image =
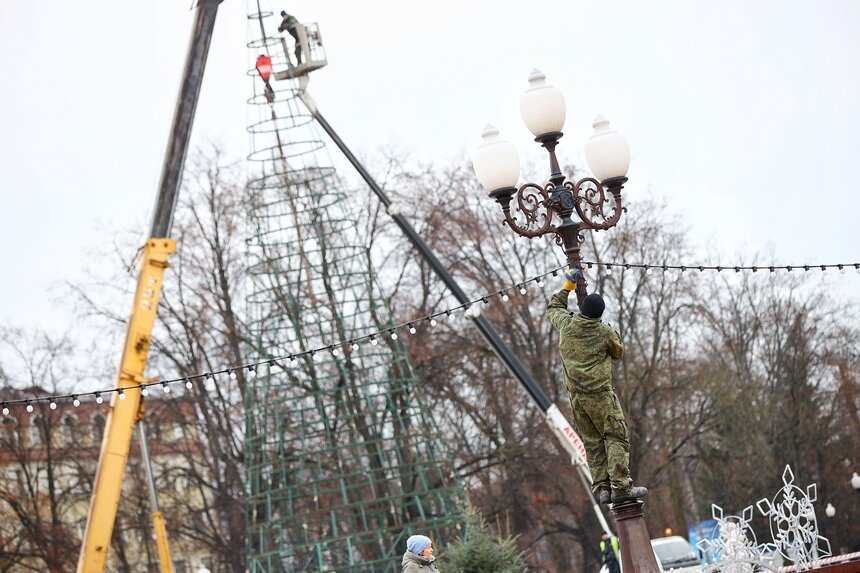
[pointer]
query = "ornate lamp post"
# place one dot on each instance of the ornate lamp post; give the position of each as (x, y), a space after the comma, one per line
(550, 208)
(595, 200)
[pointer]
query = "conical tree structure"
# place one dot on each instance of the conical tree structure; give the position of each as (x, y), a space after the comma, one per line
(344, 461)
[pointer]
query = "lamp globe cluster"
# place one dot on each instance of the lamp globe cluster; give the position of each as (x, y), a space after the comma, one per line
(543, 109)
(558, 207)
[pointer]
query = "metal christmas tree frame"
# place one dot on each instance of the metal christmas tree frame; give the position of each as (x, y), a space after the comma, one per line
(344, 461)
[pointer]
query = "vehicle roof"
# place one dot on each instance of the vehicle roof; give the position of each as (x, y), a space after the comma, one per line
(665, 540)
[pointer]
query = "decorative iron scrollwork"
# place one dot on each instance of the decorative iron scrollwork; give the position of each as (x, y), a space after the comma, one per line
(532, 202)
(599, 208)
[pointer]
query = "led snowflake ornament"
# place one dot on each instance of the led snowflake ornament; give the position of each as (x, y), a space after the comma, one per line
(734, 543)
(793, 525)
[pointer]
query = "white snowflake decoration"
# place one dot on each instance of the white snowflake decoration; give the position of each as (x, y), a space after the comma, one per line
(793, 525)
(734, 546)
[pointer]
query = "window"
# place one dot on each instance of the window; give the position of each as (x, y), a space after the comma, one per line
(177, 432)
(35, 430)
(81, 524)
(153, 430)
(9, 431)
(165, 432)
(70, 430)
(98, 424)
(185, 482)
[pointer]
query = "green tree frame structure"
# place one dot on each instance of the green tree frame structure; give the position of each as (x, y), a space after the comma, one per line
(344, 461)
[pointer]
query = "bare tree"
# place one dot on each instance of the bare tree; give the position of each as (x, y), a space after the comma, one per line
(699, 382)
(653, 311)
(48, 457)
(514, 468)
(725, 378)
(200, 328)
(775, 355)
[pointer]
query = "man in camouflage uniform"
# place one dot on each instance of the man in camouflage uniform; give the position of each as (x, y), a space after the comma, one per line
(588, 347)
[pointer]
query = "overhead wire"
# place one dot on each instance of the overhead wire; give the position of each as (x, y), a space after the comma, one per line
(353, 344)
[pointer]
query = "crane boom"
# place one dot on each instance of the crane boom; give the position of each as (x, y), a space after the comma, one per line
(123, 414)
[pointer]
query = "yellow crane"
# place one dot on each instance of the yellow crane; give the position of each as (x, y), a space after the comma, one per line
(123, 415)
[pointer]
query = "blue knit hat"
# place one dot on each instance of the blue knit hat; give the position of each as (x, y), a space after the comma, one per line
(417, 543)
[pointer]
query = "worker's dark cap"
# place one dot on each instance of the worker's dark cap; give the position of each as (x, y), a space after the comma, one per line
(283, 12)
(593, 306)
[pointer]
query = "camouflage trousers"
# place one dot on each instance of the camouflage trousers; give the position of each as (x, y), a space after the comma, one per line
(603, 430)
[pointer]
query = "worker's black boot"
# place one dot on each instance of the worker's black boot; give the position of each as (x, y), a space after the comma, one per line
(603, 495)
(628, 493)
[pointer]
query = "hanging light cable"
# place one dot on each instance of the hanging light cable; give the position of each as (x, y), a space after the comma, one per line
(274, 367)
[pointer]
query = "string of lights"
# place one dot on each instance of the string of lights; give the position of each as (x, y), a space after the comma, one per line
(469, 309)
(649, 269)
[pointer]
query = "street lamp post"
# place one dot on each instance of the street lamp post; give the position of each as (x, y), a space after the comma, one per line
(596, 201)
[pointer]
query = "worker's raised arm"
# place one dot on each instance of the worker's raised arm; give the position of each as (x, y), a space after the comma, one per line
(616, 348)
(556, 310)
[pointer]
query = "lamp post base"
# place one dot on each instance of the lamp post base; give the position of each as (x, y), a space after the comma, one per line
(637, 556)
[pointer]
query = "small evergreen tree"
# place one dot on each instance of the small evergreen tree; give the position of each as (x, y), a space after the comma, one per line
(479, 551)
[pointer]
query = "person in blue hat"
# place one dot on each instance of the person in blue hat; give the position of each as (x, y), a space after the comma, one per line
(419, 556)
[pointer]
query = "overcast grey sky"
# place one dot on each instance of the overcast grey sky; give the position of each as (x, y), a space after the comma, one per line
(743, 115)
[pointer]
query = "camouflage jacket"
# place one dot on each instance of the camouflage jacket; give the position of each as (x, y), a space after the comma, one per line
(587, 347)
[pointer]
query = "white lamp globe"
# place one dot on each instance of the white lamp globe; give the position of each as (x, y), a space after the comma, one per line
(855, 481)
(830, 511)
(606, 151)
(542, 106)
(496, 161)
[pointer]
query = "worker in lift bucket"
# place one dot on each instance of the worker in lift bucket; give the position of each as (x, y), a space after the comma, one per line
(588, 346)
(290, 25)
